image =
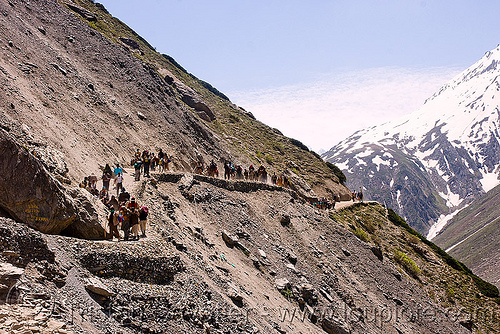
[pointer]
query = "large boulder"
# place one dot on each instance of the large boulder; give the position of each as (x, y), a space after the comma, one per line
(30, 194)
(87, 15)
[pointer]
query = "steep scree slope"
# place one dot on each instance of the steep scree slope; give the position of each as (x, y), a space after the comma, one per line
(80, 88)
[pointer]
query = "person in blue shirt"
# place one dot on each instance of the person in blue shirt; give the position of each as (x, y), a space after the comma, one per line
(118, 170)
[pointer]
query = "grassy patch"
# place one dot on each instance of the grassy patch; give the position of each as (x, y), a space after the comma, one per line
(287, 293)
(299, 144)
(450, 294)
(486, 288)
(361, 234)
(408, 264)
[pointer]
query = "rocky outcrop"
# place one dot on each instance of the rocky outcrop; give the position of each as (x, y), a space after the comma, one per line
(82, 12)
(87, 224)
(21, 246)
(94, 285)
(130, 42)
(139, 268)
(9, 275)
(193, 100)
(32, 196)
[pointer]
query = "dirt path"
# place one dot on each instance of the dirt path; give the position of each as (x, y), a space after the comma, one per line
(131, 187)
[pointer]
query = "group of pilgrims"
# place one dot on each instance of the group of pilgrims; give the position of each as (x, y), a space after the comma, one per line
(131, 218)
(148, 161)
(232, 171)
(125, 213)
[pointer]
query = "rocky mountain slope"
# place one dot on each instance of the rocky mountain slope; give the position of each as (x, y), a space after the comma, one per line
(80, 89)
(218, 260)
(433, 162)
(472, 236)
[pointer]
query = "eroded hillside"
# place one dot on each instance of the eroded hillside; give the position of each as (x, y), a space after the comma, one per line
(225, 257)
(79, 89)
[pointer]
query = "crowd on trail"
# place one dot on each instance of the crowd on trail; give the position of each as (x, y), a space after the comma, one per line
(125, 213)
(325, 204)
(131, 218)
(237, 172)
(357, 195)
(149, 161)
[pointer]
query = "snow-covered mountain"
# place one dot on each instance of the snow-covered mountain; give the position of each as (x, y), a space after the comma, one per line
(431, 163)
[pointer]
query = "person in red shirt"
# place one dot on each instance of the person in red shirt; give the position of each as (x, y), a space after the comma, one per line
(133, 204)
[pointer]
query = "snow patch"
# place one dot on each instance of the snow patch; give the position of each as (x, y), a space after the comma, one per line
(365, 154)
(489, 181)
(342, 165)
(361, 161)
(440, 224)
(398, 198)
(378, 161)
(452, 199)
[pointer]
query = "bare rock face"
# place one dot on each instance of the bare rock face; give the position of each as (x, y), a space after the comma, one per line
(82, 12)
(32, 196)
(130, 42)
(193, 100)
(96, 286)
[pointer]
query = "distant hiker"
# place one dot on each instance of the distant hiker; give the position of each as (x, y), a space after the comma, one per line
(119, 183)
(154, 162)
(212, 169)
(113, 203)
(143, 219)
(93, 181)
(85, 183)
(124, 219)
(113, 224)
(251, 172)
(274, 179)
(245, 174)
(227, 171)
(286, 181)
(239, 172)
(134, 223)
(353, 195)
(106, 177)
(199, 168)
(262, 174)
(103, 195)
(161, 155)
(146, 160)
(132, 204)
(161, 165)
(137, 169)
(107, 169)
(279, 183)
(118, 170)
(124, 197)
(360, 195)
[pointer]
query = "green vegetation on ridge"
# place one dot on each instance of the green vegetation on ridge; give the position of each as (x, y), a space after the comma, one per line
(486, 288)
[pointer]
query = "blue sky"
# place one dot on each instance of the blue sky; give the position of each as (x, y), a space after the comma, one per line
(319, 70)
